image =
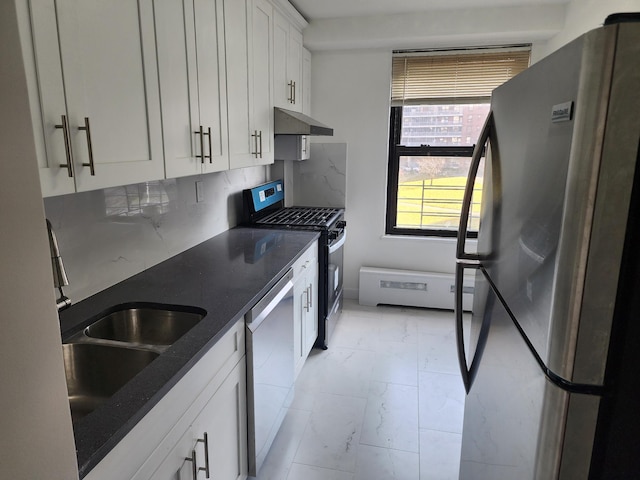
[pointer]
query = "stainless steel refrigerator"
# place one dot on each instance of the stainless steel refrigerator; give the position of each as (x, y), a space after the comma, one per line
(550, 354)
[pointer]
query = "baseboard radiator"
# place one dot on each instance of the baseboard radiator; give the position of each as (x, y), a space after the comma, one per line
(387, 286)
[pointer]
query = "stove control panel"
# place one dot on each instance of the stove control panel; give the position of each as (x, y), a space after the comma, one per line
(267, 196)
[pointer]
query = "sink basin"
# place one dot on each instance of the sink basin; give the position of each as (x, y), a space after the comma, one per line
(95, 372)
(144, 325)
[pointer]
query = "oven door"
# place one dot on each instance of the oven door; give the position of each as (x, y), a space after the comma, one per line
(335, 261)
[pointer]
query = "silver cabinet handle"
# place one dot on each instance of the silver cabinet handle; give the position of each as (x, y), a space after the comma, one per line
(257, 136)
(64, 125)
(87, 130)
(254, 135)
(311, 295)
(205, 440)
(201, 133)
(306, 301)
(294, 93)
(291, 86)
(485, 135)
(304, 144)
(194, 464)
(210, 157)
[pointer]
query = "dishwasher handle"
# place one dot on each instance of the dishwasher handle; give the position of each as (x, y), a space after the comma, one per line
(268, 303)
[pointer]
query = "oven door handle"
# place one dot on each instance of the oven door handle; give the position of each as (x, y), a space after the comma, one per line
(339, 242)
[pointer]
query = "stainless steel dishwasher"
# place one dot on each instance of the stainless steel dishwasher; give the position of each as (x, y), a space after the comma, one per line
(270, 366)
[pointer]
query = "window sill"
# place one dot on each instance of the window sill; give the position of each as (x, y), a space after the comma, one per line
(429, 239)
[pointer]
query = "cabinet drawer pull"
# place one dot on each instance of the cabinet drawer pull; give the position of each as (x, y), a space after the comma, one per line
(205, 440)
(67, 145)
(87, 130)
(194, 464)
(294, 93)
(306, 302)
(311, 295)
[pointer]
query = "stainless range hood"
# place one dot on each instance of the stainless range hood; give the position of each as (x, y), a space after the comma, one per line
(287, 122)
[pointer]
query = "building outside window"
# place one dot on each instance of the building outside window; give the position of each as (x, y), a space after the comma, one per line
(439, 104)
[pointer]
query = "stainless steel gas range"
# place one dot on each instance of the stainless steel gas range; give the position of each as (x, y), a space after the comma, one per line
(263, 207)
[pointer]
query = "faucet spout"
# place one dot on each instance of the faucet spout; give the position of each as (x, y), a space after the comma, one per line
(60, 278)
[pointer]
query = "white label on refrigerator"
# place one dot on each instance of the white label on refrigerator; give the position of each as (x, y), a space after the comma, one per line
(563, 112)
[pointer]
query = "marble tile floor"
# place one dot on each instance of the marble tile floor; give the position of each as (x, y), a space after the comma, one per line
(385, 401)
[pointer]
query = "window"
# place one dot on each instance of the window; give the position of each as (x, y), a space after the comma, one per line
(439, 104)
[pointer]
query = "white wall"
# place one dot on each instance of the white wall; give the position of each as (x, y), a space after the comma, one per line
(585, 15)
(36, 439)
(351, 94)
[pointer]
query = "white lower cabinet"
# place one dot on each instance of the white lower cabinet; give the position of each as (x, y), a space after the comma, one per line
(305, 291)
(214, 446)
(210, 399)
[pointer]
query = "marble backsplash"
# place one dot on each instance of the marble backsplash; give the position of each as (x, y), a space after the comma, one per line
(321, 180)
(106, 236)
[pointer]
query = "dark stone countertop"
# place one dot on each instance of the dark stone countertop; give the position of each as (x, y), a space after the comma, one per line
(225, 275)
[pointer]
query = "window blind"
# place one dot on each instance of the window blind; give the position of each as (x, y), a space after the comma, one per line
(452, 78)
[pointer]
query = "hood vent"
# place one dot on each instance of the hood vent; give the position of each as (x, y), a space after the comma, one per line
(287, 122)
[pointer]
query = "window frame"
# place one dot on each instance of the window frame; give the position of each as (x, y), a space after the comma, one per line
(395, 152)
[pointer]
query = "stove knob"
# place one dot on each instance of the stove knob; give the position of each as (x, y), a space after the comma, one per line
(341, 224)
(333, 235)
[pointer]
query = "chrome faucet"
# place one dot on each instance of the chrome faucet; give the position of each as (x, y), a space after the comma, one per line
(59, 274)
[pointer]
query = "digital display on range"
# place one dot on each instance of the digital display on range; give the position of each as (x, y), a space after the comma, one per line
(268, 194)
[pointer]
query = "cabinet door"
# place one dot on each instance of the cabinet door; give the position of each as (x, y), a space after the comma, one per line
(281, 88)
(262, 98)
(224, 419)
(209, 25)
(300, 300)
(306, 81)
(248, 34)
(47, 98)
(236, 15)
(192, 86)
(294, 69)
(110, 78)
(310, 326)
(178, 86)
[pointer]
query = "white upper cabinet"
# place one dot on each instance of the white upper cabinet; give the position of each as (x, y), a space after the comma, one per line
(249, 35)
(191, 63)
(95, 99)
(287, 64)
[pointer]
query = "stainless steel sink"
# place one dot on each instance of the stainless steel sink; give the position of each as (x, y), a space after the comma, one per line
(146, 325)
(95, 372)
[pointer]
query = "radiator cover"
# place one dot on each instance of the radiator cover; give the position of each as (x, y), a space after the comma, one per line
(387, 286)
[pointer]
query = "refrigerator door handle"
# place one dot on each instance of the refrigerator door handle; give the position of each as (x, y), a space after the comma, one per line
(462, 358)
(485, 135)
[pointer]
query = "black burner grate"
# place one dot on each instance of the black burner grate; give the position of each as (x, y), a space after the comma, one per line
(301, 216)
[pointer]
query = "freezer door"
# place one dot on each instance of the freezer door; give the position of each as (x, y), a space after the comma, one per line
(517, 422)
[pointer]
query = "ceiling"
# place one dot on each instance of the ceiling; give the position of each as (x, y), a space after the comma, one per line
(322, 9)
